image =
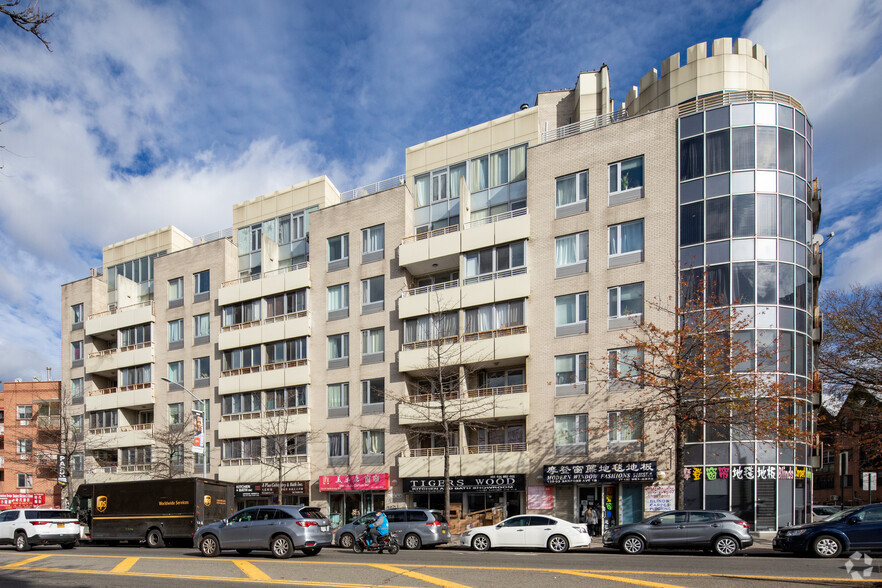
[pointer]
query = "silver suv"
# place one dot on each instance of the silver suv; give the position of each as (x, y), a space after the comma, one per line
(721, 531)
(414, 527)
(280, 529)
(38, 526)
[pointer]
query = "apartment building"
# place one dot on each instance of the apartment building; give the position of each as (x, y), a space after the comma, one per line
(30, 430)
(498, 272)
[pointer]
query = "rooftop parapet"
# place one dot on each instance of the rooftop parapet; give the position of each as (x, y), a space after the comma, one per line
(738, 66)
(318, 191)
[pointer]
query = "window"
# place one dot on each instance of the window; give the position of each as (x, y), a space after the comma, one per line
(76, 312)
(626, 426)
(176, 455)
(717, 152)
(625, 363)
(77, 350)
(176, 331)
(338, 445)
(338, 298)
(372, 290)
(482, 264)
(24, 446)
(292, 397)
(76, 462)
(77, 422)
(372, 391)
(241, 313)
(244, 357)
(570, 429)
(25, 481)
(24, 412)
(338, 395)
(201, 282)
(571, 369)
(571, 309)
(135, 336)
(692, 223)
(246, 448)
(338, 346)
(288, 350)
(373, 443)
(428, 328)
(103, 419)
(691, 158)
(373, 341)
(176, 372)
(201, 368)
(286, 445)
(287, 303)
(501, 315)
(241, 403)
(200, 326)
(176, 413)
(76, 389)
(373, 239)
(626, 300)
(176, 289)
(571, 249)
(136, 376)
(626, 238)
(338, 248)
(571, 189)
(625, 175)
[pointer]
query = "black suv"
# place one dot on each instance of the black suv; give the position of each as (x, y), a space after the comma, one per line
(854, 529)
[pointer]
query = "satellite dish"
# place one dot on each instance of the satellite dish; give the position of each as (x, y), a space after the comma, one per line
(817, 240)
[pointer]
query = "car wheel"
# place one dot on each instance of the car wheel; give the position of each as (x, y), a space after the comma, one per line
(346, 540)
(633, 544)
(827, 546)
(310, 551)
(243, 551)
(70, 545)
(558, 544)
(725, 545)
(209, 546)
(21, 542)
(281, 547)
(154, 538)
(481, 543)
(413, 541)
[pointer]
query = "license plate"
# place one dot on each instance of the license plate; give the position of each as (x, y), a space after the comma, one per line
(324, 528)
(443, 531)
(60, 525)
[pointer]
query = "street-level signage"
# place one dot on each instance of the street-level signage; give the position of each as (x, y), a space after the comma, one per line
(489, 483)
(869, 481)
(586, 473)
(354, 482)
(61, 468)
(759, 472)
(24, 500)
(257, 489)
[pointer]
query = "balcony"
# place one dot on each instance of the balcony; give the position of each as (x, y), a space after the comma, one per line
(131, 396)
(484, 346)
(440, 249)
(483, 403)
(123, 436)
(270, 423)
(265, 377)
(110, 360)
(474, 460)
(277, 328)
(116, 318)
(249, 469)
(471, 291)
(269, 283)
(48, 422)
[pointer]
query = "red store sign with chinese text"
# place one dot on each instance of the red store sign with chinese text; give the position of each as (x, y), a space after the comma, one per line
(353, 482)
(12, 500)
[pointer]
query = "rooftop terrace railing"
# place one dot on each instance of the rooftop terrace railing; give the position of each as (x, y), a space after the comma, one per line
(726, 98)
(369, 189)
(583, 126)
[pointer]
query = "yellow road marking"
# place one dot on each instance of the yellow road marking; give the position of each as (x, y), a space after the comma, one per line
(619, 579)
(250, 570)
(27, 561)
(125, 565)
(418, 576)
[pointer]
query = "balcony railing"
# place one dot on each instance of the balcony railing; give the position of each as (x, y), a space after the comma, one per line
(430, 234)
(136, 346)
(738, 97)
(284, 317)
(136, 467)
(141, 386)
(431, 288)
(275, 272)
(267, 368)
(431, 342)
(103, 391)
(363, 191)
(495, 275)
(49, 421)
(103, 353)
(141, 427)
(476, 393)
(494, 219)
(504, 332)
(119, 309)
(103, 430)
(429, 452)
(497, 448)
(583, 126)
(470, 450)
(243, 416)
(240, 461)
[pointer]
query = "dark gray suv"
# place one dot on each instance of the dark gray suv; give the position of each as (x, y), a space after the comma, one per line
(721, 531)
(414, 527)
(280, 529)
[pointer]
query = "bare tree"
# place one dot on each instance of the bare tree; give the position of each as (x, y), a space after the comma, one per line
(28, 18)
(172, 455)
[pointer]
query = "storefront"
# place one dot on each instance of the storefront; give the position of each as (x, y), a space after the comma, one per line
(351, 495)
(258, 493)
(498, 494)
(613, 491)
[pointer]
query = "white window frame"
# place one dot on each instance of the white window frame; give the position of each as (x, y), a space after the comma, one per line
(366, 338)
(173, 367)
(76, 313)
(176, 413)
(581, 301)
(615, 360)
(198, 286)
(24, 446)
(366, 387)
(197, 371)
(344, 444)
(179, 286)
(366, 235)
(617, 166)
(367, 291)
(581, 248)
(24, 412)
(617, 229)
(581, 369)
(344, 345)
(344, 247)
(615, 420)
(582, 188)
(24, 480)
(180, 338)
(344, 394)
(345, 287)
(580, 427)
(206, 320)
(617, 291)
(366, 444)
(77, 350)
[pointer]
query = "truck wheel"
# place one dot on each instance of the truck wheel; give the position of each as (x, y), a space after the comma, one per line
(21, 542)
(154, 538)
(281, 547)
(209, 547)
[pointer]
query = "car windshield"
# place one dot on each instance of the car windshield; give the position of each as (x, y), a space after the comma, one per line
(843, 514)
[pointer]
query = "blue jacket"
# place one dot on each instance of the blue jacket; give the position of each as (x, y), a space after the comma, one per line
(381, 524)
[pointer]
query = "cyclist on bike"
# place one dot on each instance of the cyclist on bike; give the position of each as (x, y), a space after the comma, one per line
(378, 528)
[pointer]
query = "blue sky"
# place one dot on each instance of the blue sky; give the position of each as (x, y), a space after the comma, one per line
(155, 113)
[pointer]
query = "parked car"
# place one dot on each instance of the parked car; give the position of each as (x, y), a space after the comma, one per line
(25, 527)
(853, 529)
(820, 512)
(414, 527)
(528, 531)
(721, 531)
(280, 529)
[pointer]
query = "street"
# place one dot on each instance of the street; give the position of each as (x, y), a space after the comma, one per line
(100, 566)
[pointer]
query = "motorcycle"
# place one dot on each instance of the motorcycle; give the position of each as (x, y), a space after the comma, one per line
(387, 542)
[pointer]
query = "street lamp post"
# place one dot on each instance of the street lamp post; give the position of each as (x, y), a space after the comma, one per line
(204, 423)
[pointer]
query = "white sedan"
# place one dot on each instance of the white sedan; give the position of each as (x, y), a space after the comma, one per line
(528, 531)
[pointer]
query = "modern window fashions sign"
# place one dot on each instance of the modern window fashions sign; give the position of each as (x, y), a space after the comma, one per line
(632, 471)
